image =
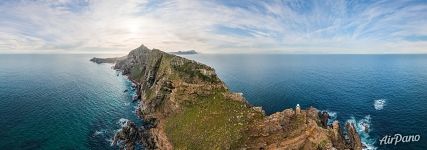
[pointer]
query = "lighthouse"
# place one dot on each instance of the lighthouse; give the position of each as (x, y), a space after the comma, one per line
(298, 110)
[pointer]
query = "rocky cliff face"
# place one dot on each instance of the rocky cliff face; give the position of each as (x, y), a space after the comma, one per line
(185, 105)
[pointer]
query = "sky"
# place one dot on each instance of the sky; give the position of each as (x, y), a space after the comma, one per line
(214, 26)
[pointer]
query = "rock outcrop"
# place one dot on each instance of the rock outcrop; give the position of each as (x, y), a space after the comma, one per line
(129, 134)
(185, 105)
(354, 138)
(106, 60)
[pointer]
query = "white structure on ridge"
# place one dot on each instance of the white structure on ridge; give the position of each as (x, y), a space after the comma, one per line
(298, 110)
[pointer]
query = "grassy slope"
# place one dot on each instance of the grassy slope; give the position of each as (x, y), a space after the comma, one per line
(205, 118)
(213, 123)
(206, 122)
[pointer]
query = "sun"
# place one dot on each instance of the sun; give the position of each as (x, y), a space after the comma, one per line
(133, 26)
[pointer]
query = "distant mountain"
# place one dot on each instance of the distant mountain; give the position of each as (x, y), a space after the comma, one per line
(189, 52)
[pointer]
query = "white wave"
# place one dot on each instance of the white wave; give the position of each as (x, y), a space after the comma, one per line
(379, 104)
(122, 122)
(364, 124)
(363, 128)
(332, 116)
(100, 132)
(110, 140)
(126, 103)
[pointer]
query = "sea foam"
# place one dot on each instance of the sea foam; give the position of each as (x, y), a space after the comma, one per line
(100, 132)
(122, 122)
(363, 128)
(332, 116)
(379, 104)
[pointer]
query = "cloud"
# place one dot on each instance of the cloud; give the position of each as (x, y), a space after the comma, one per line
(214, 26)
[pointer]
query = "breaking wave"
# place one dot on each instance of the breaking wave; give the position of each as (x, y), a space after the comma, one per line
(99, 132)
(363, 127)
(379, 104)
(332, 116)
(122, 122)
(110, 140)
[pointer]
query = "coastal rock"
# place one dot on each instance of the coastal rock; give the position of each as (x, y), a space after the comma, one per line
(185, 105)
(324, 119)
(129, 135)
(354, 138)
(291, 130)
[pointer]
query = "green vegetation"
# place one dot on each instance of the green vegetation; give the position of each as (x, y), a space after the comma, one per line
(191, 70)
(213, 123)
(205, 119)
(191, 105)
(136, 72)
(149, 94)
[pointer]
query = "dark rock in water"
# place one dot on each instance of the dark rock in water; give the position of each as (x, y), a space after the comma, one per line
(324, 119)
(125, 91)
(364, 146)
(365, 126)
(129, 135)
(135, 98)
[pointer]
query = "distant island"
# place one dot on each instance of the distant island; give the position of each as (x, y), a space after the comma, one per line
(106, 60)
(184, 105)
(189, 52)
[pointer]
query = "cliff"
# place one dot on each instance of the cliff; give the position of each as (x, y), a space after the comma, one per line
(185, 105)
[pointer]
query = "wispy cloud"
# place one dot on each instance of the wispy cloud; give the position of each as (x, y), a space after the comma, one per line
(339, 26)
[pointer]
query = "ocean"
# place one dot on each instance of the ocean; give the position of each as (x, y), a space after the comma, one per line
(387, 93)
(67, 102)
(60, 102)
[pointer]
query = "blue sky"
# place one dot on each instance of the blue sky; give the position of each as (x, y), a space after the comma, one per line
(214, 26)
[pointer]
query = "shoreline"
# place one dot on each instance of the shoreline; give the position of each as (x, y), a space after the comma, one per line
(163, 75)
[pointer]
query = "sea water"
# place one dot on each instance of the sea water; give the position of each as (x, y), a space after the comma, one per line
(385, 93)
(61, 102)
(68, 102)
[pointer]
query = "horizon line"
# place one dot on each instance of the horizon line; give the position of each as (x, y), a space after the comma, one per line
(221, 53)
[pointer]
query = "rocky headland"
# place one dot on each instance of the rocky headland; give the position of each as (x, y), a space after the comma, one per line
(189, 52)
(185, 105)
(106, 60)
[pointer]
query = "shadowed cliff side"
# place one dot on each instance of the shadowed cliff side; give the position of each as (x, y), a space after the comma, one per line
(185, 105)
